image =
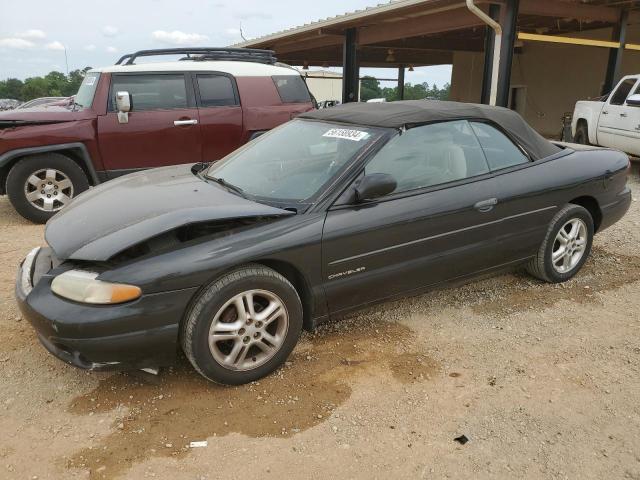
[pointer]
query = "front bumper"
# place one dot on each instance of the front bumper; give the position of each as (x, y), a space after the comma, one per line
(139, 334)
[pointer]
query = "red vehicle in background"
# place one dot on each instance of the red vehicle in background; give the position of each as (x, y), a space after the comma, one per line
(129, 117)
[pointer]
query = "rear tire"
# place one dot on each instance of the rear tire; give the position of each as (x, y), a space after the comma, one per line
(582, 134)
(566, 246)
(243, 326)
(39, 186)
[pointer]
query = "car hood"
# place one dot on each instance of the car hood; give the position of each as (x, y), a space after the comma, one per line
(122, 213)
(43, 114)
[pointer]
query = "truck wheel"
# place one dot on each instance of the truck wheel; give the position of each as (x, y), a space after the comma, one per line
(582, 134)
(566, 246)
(38, 186)
(243, 326)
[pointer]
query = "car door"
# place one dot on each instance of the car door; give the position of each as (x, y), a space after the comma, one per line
(614, 127)
(162, 128)
(525, 204)
(220, 114)
(436, 226)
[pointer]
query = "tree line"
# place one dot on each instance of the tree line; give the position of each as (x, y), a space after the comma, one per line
(54, 84)
(370, 88)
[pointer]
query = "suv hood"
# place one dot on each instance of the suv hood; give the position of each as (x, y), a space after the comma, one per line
(42, 114)
(122, 213)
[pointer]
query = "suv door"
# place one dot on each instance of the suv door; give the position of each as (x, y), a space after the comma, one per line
(613, 125)
(162, 128)
(220, 114)
(436, 226)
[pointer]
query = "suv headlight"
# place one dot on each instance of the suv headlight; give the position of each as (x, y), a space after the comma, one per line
(81, 286)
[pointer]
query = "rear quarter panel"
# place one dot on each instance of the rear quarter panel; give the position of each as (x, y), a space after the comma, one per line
(262, 107)
(548, 185)
(588, 111)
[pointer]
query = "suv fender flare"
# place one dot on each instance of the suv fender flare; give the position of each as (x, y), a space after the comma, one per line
(6, 158)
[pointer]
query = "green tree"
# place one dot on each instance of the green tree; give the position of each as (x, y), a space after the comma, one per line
(11, 88)
(369, 88)
(35, 87)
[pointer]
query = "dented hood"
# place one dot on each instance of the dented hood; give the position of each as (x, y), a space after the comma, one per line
(121, 213)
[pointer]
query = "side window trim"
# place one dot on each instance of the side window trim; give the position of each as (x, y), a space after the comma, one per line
(188, 85)
(510, 139)
(196, 88)
(618, 87)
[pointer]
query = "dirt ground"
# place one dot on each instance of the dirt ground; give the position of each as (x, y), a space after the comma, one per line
(544, 381)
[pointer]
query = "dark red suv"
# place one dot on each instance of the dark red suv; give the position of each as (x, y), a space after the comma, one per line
(130, 116)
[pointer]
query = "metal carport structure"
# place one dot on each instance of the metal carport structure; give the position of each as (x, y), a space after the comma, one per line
(416, 33)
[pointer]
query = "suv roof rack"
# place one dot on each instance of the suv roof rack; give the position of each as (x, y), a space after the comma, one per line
(206, 54)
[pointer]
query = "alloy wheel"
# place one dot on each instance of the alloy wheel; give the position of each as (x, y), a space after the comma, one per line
(48, 190)
(248, 330)
(569, 245)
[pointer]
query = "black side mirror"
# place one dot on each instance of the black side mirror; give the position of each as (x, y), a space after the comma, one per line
(374, 186)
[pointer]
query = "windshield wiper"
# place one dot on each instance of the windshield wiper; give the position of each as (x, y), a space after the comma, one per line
(227, 185)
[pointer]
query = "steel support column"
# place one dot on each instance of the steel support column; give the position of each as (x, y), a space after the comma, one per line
(489, 41)
(615, 54)
(401, 82)
(509, 21)
(350, 67)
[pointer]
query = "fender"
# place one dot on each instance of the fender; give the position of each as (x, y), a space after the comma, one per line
(5, 158)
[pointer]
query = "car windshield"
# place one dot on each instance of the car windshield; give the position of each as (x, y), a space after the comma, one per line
(293, 162)
(84, 97)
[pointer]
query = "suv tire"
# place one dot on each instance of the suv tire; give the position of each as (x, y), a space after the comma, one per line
(243, 326)
(566, 246)
(39, 186)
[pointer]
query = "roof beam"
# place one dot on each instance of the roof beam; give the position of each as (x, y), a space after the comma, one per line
(554, 8)
(424, 25)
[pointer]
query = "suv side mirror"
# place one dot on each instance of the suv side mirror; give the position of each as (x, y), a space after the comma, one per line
(634, 100)
(123, 105)
(374, 186)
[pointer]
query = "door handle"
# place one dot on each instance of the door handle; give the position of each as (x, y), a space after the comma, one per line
(605, 112)
(623, 115)
(486, 205)
(182, 123)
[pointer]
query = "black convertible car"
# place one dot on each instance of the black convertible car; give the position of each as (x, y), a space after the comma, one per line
(334, 211)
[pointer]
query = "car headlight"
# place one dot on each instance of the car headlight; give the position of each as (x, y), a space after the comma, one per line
(81, 286)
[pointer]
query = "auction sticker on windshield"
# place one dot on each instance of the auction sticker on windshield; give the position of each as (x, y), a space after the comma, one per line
(347, 134)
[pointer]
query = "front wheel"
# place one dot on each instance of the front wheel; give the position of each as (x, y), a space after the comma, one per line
(41, 185)
(566, 246)
(243, 326)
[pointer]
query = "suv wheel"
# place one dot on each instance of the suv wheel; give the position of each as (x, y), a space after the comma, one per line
(243, 326)
(565, 247)
(41, 185)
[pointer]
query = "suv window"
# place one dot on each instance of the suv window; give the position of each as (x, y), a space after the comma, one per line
(216, 91)
(291, 88)
(622, 92)
(151, 92)
(431, 155)
(500, 151)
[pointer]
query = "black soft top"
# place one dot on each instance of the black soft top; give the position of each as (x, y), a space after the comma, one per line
(410, 113)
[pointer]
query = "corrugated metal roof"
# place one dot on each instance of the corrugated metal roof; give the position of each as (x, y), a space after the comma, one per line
(332, 21)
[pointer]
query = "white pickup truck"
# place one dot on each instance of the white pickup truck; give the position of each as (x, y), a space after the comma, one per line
(613, 121)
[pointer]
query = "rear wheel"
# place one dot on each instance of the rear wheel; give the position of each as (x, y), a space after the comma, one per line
(566, 246)
(41, 185)
(582, 134)
(243, 326)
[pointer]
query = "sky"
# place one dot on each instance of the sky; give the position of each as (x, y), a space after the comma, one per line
(35, 33)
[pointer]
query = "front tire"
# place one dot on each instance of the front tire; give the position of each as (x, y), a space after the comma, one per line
(39, 186)
(566, 246)
(243, 326)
